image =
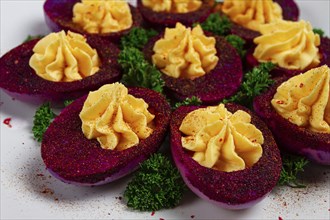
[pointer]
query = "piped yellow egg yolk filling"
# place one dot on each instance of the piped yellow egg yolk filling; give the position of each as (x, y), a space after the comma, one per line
(61, 57)
(185, 53)
(291, 45)
(102, 16)
(173, 6)
(116, 119)
(304, 100)
(220, 139)
(252, 13)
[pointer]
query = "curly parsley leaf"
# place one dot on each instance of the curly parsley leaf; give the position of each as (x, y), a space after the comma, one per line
(67, 102)
(318, 31)
(137, 38)
(32, 37)
(237, 42)
(157, 185)
(254, 83)
(217, 24)
(42, 119)
(291, 166)
(193, 100)
(138, 71)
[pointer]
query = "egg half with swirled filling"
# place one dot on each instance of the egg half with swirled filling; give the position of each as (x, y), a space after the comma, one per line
(194, 63)
(225, 154)
(104, 136)
(292, 46)
(247, 16)
(60, 66)
(297, 110)
(166, 13)
(106, 19)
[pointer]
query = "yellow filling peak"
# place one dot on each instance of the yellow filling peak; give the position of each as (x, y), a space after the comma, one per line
(185, 53)
(252, 13)
(116, 119)
(304, 100)
(222, 140)
(102, 16)
(291, 45)
(173, 6)
(61, 57)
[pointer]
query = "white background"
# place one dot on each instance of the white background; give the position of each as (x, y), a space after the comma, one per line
(29, 192)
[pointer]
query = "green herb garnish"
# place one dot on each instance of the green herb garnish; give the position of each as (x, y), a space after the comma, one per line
(291, 166)
(32, 37)
(238, 43)
(157, 185)
(42, 119)
(193, 100)
(67, 102)
(217, 24)
(254, 83)
(318, 31)
(138, 71)
(137, 38)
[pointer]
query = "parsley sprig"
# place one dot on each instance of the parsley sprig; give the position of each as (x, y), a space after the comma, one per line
(157, 185)
(193, 100)
(291, 166)
(42, 119)
(32, 37)
(318, 31)
(67, 102)
(254, 83)
(137, 38)
(237, 42)
(137, 70)
(217, 24)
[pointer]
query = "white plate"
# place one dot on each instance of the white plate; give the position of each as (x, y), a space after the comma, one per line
(28, 190)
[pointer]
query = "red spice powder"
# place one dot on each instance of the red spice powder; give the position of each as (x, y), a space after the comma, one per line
(280, 102)
(301, 85)
(7, 122)
(47, 191)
